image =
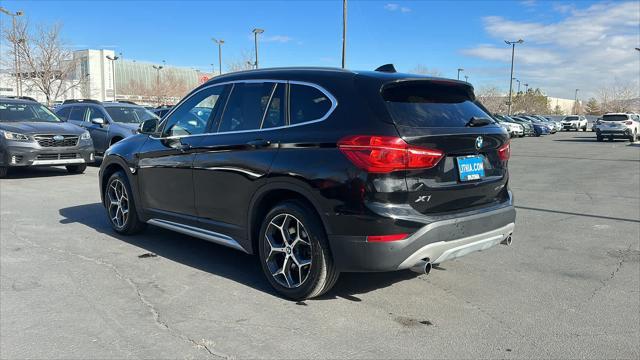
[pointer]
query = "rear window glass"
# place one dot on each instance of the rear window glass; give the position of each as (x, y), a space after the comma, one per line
(307, 104)
(427, 104)
(615, 118)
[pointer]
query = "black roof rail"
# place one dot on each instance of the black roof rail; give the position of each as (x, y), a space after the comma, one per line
(22, 98)
(74, 101)
(388, 68)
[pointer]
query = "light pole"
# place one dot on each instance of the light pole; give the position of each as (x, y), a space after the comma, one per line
(113, 73)
(256, 32)
(513, 50)
(466, 78)
(219, 42)
(526, 88)
(575, 103)
(518, 81)
(15, 47)
(459, 70)
(158, 68)
(344, 32)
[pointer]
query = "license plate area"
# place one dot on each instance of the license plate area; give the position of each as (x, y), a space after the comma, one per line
(470, 167)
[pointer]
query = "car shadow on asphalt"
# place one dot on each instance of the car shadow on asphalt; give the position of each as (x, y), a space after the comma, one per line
(36, 172)
(217, 259)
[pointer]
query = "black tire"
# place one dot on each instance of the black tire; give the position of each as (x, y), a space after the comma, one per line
(321, 274)
(632, 137)
(76, 169)
(3, 171)
(131, 224)
(598, 137)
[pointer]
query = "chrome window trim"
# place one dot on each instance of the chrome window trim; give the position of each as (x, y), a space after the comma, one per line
(334, 104)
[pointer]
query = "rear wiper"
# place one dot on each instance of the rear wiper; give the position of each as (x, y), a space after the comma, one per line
(479, 121)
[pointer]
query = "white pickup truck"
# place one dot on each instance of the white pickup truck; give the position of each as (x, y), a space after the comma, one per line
(574, 122)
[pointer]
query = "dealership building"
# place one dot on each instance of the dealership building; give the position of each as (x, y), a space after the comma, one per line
(100, 78)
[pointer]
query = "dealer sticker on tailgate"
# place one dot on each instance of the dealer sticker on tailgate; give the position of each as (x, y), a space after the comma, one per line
(471, 167)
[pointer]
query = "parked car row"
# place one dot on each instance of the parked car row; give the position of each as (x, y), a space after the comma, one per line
(528, 125)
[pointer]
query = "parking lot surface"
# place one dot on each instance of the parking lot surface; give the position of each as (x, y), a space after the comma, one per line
(568, 287)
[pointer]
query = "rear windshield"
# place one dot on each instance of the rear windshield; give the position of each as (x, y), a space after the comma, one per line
(615, 118)
(423, 104)
(130, 114)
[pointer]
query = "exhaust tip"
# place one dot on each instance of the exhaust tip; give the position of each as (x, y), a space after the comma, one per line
(422, 267)
(507, 241)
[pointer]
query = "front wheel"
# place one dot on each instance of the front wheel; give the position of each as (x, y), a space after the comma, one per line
(76, 169)
(3, 171)
(598, 137)
(121, 206)
(633, 136)
(294, 252)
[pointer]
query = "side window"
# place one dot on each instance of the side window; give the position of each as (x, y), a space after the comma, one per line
(193, 115)
(77, 113)
(307, 104)
(95, 113)
(274, 116)
(245, 107)
(64, 113)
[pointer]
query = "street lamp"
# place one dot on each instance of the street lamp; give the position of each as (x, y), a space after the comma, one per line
(526, 88)
(518, 81)
(466, 78)
(513, 49)
(459, 70)
(344, 32)
(158, 68)
(219, 42)
(575, 102)
(256, 32)
(15, 47)
(113, 73)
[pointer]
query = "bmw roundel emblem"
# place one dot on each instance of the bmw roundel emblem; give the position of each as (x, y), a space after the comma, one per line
(58, 138)
(479, 142)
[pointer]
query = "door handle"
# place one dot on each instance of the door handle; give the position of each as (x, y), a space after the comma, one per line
(259, 143)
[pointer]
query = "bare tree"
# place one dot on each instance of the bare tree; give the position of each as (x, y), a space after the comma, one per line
(46, 64)
(617, 98)
(492, 99)
(243, 62)
(423, 70)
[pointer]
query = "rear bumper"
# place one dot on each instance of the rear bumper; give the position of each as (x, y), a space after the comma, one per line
(439, 241)
(614, 132)
(28, 154)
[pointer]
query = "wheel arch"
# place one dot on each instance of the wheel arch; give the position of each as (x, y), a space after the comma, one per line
(270, 195)
(112, 164)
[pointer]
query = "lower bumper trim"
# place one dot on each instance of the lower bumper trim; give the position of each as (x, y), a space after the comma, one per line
(441, 251)
(58, 162)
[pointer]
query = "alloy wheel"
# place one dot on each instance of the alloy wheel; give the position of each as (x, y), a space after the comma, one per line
(289, 250)
(118, 206)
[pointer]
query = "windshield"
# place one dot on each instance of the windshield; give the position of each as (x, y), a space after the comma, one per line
(615, 118)
(16, 112)
(569, 118)
(426, 104)
(130, 114)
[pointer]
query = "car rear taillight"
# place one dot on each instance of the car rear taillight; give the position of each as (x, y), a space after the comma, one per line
(384, 154)
(386, 238)
(628, 122)
(504, 152)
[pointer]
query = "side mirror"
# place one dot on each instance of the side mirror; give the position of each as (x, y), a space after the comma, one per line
(98, 121)
(149, 127)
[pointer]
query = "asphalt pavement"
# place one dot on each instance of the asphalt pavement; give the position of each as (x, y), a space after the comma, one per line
(568, 287)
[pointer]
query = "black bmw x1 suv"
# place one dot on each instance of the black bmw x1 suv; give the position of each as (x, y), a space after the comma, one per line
(320, 171)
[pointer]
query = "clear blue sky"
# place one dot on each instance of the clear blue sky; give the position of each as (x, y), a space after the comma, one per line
(442, 35)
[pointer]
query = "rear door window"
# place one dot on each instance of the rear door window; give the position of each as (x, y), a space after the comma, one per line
(64, 113)
(246, 106)
(307, 104)
(427, 104)
(77, 113)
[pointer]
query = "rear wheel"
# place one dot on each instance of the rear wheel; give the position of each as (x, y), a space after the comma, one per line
(3, 171)
(120, 205)
(598, 137)
(76, 169)
(294, 252)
